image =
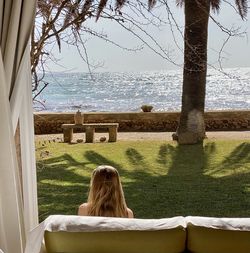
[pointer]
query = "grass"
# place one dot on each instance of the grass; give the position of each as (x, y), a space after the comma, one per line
(160, 179)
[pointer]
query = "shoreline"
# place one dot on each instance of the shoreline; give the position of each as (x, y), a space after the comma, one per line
(139, 111)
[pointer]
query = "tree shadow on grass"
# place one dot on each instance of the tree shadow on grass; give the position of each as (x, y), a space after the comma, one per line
(66, 159)
(97, 159)
(241, 154)
(184, 187)
(162, 154)
(191, 191)
(60, 189)
(134, 156)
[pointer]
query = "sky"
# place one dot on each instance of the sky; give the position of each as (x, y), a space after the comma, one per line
(108, 57)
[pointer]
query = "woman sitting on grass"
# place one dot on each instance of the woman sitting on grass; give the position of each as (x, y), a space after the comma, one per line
(106, 196)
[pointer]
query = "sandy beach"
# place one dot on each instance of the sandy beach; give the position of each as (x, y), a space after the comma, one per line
(139, 136)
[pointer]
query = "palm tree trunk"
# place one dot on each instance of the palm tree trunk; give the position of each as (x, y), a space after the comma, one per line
(191, 127)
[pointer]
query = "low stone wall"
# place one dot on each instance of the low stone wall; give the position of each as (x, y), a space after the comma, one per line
(50, 123)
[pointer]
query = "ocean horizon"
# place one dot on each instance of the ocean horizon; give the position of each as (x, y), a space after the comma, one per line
(128, 91)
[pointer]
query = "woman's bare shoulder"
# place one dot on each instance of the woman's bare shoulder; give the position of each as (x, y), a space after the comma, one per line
(83, 209)
(130, 213)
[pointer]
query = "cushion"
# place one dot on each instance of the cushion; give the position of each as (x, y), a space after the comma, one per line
(74, 234)
(218, 235)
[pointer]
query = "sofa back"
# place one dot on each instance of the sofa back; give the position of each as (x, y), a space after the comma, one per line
(218, 235)
(74, 234)
(116, 235)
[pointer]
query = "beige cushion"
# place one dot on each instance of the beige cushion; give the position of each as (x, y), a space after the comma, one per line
(115, 235)
(161, 241)
(218, 235)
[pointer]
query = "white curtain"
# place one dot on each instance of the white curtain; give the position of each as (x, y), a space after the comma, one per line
(18, 206)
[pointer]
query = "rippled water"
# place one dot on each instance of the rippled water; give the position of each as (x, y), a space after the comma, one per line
(128, 91)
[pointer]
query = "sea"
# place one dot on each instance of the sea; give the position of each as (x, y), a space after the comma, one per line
(128, 91)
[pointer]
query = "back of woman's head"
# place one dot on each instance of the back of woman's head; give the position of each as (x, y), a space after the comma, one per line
(106, 196)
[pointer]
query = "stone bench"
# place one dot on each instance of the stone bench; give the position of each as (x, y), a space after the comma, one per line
(90, 131)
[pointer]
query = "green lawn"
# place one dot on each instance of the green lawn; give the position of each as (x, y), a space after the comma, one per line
(160, 179)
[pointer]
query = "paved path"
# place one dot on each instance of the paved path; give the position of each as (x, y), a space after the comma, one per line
(168, 135)
(136, 136)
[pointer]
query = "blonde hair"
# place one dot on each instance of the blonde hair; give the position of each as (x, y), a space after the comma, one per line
(106, 197)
